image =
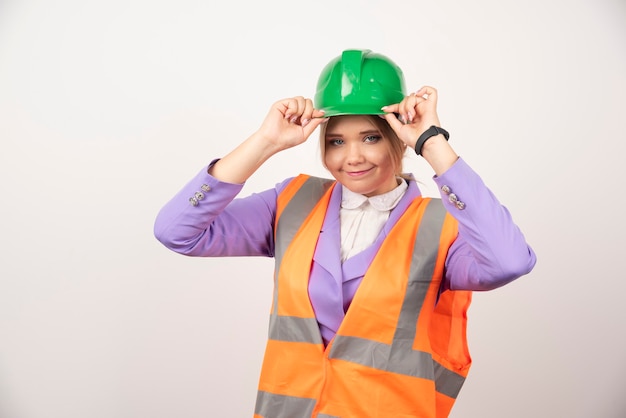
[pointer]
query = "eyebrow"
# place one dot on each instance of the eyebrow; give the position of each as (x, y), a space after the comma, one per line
(371, 131)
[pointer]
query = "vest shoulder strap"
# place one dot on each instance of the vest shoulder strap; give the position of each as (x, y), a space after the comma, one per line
(294, 204)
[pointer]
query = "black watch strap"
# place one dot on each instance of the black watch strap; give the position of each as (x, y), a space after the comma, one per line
(429, 133)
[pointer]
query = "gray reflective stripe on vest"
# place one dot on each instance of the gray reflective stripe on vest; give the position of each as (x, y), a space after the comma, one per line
(294, 329)
(447, 382)
(270, 405)
(399, 357)
(326, 416)
(289, 328)
(296, 211)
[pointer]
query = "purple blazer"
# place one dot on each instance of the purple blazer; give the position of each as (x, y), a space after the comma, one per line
(489, 251)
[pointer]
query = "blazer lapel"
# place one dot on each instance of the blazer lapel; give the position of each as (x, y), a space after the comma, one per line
(357, 266)
(328, 250)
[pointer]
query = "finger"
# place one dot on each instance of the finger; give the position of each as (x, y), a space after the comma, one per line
(307, 112)
(318, 113)
(408, 107)
(311, 125)
(393, 121)
(293, 108)
(428, 93)
(290, 108)
(392, 108)
(395, 110)
(301, 101)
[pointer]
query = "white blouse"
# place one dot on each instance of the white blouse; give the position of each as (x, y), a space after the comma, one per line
(362, 218)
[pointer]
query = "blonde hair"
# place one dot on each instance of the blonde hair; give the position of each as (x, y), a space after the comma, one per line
(395, 145)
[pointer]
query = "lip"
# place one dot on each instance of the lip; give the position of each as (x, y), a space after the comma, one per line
(358, 173)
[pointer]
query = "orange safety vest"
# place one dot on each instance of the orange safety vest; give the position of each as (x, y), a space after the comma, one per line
(401, 350)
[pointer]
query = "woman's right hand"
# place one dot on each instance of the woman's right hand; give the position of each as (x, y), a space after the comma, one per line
(290, 122)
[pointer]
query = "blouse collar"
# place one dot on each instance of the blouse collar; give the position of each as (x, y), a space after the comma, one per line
(381, 202)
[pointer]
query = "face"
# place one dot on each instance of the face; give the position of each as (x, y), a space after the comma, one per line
(358, 155)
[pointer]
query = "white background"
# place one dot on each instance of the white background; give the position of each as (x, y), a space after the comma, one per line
(108, 107)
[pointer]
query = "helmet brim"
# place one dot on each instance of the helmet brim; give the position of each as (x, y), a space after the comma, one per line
(351, 110)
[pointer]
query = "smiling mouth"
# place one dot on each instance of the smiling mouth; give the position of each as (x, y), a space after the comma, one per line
(358, 173)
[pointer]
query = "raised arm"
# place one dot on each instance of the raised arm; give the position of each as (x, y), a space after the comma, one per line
(205, 219)
(490, 250)
(288, 123)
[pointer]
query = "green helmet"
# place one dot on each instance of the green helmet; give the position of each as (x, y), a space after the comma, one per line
(359, 82)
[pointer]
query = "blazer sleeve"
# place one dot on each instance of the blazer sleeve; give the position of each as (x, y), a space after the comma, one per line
(490, 250)
(206, 219)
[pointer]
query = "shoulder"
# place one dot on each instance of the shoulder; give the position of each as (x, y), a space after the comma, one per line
(305, 181)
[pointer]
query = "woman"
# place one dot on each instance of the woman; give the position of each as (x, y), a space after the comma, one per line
(372, 281)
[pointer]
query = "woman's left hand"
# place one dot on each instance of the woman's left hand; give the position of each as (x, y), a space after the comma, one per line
(416, 113)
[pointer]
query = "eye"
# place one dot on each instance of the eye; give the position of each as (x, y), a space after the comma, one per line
(372, 139)
(335, 142)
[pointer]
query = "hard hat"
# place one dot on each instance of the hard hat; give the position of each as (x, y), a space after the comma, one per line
(359, 82)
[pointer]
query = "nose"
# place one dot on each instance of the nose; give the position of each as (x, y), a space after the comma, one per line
(354, 154)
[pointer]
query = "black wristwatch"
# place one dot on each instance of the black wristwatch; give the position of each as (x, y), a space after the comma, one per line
(429, 133)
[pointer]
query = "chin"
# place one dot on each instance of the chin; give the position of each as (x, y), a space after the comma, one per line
(367, 191)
